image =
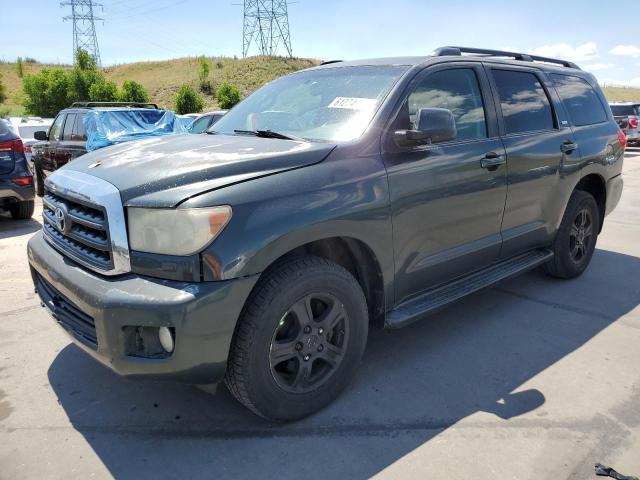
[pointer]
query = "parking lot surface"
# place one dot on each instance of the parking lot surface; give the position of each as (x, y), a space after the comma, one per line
(534, 379)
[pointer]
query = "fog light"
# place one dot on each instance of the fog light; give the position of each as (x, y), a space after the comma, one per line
(166, 339)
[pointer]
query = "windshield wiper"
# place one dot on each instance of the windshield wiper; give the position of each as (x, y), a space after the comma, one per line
(269, 134)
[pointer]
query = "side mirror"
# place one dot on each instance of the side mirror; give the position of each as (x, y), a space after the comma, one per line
(40, 135)
(433, 125)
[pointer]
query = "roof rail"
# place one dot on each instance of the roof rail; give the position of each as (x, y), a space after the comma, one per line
(525, 57)
(113, 104)
(329, 62)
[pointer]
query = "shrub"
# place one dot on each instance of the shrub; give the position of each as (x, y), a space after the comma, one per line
(228, 95)
(3, 95)
(30, 60)
(20, 67)
(83, 76)
(103, 91)
(133, 92)
(203, 69)
(47, 92)
(219, 64)
(188, 101)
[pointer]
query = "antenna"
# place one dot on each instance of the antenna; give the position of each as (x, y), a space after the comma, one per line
(266, 22)
(84, 29)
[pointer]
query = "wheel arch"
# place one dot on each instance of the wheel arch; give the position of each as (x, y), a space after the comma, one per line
(595, 185)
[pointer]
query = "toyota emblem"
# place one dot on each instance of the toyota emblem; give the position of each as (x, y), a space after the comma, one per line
(59, 218)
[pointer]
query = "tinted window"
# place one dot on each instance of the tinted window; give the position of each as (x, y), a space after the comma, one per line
(525, 105)
(581, 101)
(56, 129)
(68, 127)
(79, 132)
(200, 125)
(621, 110)
(456, 90)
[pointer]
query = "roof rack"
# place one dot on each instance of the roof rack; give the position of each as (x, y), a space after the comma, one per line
(328, 62)
(525, 57)
(113, 104)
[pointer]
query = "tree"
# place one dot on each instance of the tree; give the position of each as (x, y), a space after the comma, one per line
(20, 67)
(133, 92)
(103, 91)
(83, 76)
(228, 95)
(46, 92)
(203, 74)
(188, 101)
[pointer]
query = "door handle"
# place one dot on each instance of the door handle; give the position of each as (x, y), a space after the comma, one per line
(568, 147)
(492, 161)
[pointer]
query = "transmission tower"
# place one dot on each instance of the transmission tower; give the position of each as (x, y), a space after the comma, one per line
(84, 29)
(266, 22)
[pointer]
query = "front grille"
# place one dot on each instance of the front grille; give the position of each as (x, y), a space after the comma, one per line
(84, 232)
(70, 317)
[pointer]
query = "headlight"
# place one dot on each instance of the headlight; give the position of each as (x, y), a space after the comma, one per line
(179, 231)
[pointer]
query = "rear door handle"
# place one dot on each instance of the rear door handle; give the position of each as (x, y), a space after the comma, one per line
(492, 161)
(568, 147)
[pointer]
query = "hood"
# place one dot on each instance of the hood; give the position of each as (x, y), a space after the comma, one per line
(164, 171)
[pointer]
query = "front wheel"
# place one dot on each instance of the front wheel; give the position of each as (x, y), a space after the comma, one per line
(38, 177)
(299, 340)
(576, 238)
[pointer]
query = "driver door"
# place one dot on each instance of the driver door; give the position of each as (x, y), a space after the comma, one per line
(447, 199)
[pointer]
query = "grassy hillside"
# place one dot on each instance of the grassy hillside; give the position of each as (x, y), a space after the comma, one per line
(162, 79)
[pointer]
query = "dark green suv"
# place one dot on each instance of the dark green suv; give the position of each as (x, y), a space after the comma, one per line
(344, 197)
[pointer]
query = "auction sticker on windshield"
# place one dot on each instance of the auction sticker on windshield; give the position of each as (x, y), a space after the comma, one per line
(353, 103)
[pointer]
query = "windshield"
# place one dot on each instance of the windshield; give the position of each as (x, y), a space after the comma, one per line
(27, 132)
(332, 104)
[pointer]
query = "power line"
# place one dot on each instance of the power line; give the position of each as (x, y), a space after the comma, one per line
(84, 28)
(267, 23)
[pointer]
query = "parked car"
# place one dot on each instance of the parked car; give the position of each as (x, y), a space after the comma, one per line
(206, 120)
(16, 182)
(86, 126)
(627, 116)
(335, 199)
(25, 127)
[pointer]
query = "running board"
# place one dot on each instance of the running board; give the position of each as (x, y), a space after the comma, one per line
(417, 307)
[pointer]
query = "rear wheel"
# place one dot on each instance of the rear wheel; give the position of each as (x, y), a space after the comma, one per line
(22, 210)
(299, 340)
(576, 239)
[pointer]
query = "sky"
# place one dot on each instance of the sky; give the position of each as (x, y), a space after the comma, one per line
(600, 37)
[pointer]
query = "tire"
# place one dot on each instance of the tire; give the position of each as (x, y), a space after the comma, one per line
(572, 256)
(39, 180)
(268, 358)
(22, 210)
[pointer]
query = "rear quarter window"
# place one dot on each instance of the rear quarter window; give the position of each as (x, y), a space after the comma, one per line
(580, 100)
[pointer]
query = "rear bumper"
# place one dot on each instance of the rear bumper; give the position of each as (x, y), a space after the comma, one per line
(614, 192)
(9, 190)
(204, 315)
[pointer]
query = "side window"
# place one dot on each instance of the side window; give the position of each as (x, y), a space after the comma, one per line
(55, 133)
(200, 125)
(525, 105)
(581, 101)
(79, 132)
(68, 127)
(456, 90)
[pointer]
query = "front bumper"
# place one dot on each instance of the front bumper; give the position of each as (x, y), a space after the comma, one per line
(9, 190)
(203, 314)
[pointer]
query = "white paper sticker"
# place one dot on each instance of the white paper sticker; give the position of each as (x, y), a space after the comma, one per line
(353, 103)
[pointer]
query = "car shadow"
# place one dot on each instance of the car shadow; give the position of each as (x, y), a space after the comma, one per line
(413, 384)
(15, 228)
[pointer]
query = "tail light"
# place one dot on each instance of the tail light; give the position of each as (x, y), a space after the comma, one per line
(633, 122)
(623, 139)
(23, 181)
(12, 146)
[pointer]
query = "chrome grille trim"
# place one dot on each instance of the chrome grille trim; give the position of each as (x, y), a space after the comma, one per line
(95, 207)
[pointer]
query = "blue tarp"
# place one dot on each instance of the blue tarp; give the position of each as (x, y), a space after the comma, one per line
(108, 127)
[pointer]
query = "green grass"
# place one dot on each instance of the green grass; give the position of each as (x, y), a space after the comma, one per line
(162, 79)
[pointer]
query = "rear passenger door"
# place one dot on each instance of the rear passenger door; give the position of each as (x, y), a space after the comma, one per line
(77, 143)
(536, 140)
(446, 200)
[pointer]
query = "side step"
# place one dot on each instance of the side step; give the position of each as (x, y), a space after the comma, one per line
(417, 307)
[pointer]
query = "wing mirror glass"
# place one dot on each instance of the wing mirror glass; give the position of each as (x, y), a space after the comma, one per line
(433, 125)
(40, 135)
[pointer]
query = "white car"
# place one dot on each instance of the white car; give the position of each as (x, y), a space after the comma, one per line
(25, 127)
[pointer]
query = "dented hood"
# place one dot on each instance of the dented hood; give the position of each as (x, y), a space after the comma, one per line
(164, 171)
